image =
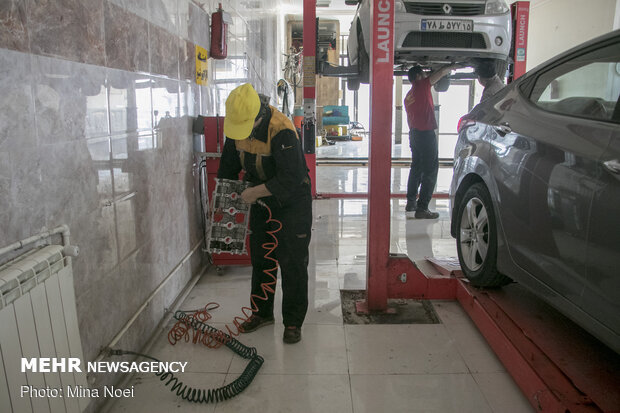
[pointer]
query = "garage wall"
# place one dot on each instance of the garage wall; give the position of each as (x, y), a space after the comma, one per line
(558, 25)
(96, 107)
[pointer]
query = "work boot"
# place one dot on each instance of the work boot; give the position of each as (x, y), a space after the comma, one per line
(410, 210)
(254, 323)
(426, 214)
(292, 334)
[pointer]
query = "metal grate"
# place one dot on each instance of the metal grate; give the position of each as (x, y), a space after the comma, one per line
(437, 9)
(443, 39)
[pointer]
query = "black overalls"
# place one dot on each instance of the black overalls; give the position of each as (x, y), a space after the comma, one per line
(272, 155)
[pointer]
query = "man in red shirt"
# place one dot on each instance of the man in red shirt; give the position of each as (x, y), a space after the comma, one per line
(422, 141)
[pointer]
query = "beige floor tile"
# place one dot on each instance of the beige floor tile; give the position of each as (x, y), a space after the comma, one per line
(474, 349)
(152, 396)
(323, 276)
(450, 312)
(502, 393)
(402, 349)
(324, 307)
(321, 351)
(440, 393)
(292, 393)
(230, 276)
(352, 276)
(199, 358)
(231, 301)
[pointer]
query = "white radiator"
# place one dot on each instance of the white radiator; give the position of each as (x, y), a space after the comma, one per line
(38, 319)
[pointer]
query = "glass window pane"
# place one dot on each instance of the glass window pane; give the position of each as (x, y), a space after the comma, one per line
(587, 86)
(453, 104)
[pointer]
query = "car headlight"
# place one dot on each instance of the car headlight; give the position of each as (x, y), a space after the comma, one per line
(399, 7)
(496, 7)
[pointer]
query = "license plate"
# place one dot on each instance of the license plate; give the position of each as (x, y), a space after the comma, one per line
(429, 25)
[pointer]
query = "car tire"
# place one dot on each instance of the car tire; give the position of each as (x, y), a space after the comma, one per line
(476, 238)
(363, 61)
(353, 83)
(500, 68)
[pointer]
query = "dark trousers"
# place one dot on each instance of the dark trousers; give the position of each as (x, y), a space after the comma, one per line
(291, 253)
(424, 166)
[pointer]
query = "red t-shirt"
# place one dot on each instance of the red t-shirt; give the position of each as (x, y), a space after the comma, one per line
(420, 107)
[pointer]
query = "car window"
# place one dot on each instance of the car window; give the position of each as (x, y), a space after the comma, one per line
(586, 86)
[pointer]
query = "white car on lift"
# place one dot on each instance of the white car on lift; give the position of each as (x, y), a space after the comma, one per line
(433, 33)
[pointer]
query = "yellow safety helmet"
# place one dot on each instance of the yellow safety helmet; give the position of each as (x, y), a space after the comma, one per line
(242, 107)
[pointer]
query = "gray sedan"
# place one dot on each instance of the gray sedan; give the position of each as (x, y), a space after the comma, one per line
(535, 193)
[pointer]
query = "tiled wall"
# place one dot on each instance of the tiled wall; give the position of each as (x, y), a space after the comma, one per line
(96, 100)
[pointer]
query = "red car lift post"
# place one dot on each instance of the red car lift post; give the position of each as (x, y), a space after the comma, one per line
(520, 11)
(379, 154)
(387, 275)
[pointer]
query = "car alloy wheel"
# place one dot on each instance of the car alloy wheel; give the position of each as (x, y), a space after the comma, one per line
(474, 239)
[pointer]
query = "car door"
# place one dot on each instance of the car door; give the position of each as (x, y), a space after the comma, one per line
(548, 143)
(601, 295)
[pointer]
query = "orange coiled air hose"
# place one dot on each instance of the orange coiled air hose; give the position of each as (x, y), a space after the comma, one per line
(183, 326)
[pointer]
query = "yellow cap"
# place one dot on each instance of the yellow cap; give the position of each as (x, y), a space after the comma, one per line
(242, 107)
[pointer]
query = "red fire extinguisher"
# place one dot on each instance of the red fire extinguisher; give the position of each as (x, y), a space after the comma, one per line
(219, 27)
